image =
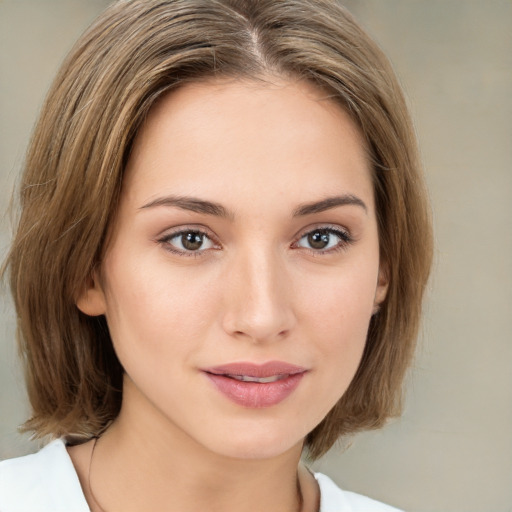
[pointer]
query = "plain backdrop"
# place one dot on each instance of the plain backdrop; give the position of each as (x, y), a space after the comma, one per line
(452, 449)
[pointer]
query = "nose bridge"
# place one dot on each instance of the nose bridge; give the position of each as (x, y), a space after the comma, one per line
(258, 302)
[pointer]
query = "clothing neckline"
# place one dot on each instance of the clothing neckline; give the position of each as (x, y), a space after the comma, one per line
(47, 481)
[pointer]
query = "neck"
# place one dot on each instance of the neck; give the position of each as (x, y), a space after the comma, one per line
(143, 464)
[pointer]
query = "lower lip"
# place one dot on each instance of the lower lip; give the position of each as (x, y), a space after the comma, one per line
(256, 395)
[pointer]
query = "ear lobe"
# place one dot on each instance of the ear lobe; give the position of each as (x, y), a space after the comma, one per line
(92, 299)
(382, 289)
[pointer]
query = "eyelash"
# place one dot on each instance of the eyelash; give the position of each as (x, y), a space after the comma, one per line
(345, 240)
(165, 241)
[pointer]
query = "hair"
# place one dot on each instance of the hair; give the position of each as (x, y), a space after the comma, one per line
(134, 53)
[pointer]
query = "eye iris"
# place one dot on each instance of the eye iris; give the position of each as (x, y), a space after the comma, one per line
(192, 241)
(319, 239)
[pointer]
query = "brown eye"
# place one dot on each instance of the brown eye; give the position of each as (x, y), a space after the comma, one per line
(192, 241)
(188, 241)
(319, 239)
(324, 239)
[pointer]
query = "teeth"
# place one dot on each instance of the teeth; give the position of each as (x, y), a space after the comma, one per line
(261, 380)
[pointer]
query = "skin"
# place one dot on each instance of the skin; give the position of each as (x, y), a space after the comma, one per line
(256, 290)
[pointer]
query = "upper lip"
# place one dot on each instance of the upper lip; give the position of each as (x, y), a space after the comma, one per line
(268, 369)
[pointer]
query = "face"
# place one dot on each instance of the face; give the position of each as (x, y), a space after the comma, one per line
(243, 266)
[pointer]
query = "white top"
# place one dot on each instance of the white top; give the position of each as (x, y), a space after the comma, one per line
(47, 482)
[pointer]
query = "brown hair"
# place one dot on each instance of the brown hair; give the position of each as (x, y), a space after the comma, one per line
(134, 53)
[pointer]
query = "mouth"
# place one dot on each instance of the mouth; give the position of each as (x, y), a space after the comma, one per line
(261, 380)
(256, 386)
(253, 372)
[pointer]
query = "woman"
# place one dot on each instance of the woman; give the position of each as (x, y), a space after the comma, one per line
(220, 259)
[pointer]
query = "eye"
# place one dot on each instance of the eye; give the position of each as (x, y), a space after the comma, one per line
(187, 241)
(324, 240)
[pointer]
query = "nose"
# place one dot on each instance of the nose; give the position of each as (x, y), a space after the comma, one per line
(258, 300)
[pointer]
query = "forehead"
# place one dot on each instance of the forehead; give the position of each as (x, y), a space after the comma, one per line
(249, 135)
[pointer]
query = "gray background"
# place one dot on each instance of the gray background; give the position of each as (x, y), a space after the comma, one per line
(452, 449)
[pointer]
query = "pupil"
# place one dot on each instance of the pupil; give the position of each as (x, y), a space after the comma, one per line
(192, 241)
(318, 239)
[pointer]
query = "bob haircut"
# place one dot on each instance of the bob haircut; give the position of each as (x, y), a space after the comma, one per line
(134, 53)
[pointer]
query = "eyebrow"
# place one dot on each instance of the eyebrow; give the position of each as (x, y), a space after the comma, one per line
(329, 203)
(191, 204)
(194, 204)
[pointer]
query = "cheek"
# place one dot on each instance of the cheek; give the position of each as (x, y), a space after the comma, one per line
(339, 310)
(153, 312)
(344, 298)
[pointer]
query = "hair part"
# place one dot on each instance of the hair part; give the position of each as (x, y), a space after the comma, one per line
(134, 53)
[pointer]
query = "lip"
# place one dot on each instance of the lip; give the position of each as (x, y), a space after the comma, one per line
(256, 394)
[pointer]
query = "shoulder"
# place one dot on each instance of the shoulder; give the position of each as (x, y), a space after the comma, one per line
(45, 481)
(333, 499)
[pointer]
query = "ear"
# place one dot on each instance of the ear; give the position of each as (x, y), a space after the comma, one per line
(382, 288)
(92, 299)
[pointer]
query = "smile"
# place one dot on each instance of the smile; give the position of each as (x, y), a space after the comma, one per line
(256, 386)
(261, 380)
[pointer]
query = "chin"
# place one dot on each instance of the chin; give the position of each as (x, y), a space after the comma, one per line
(252, 445)
(258, 451)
